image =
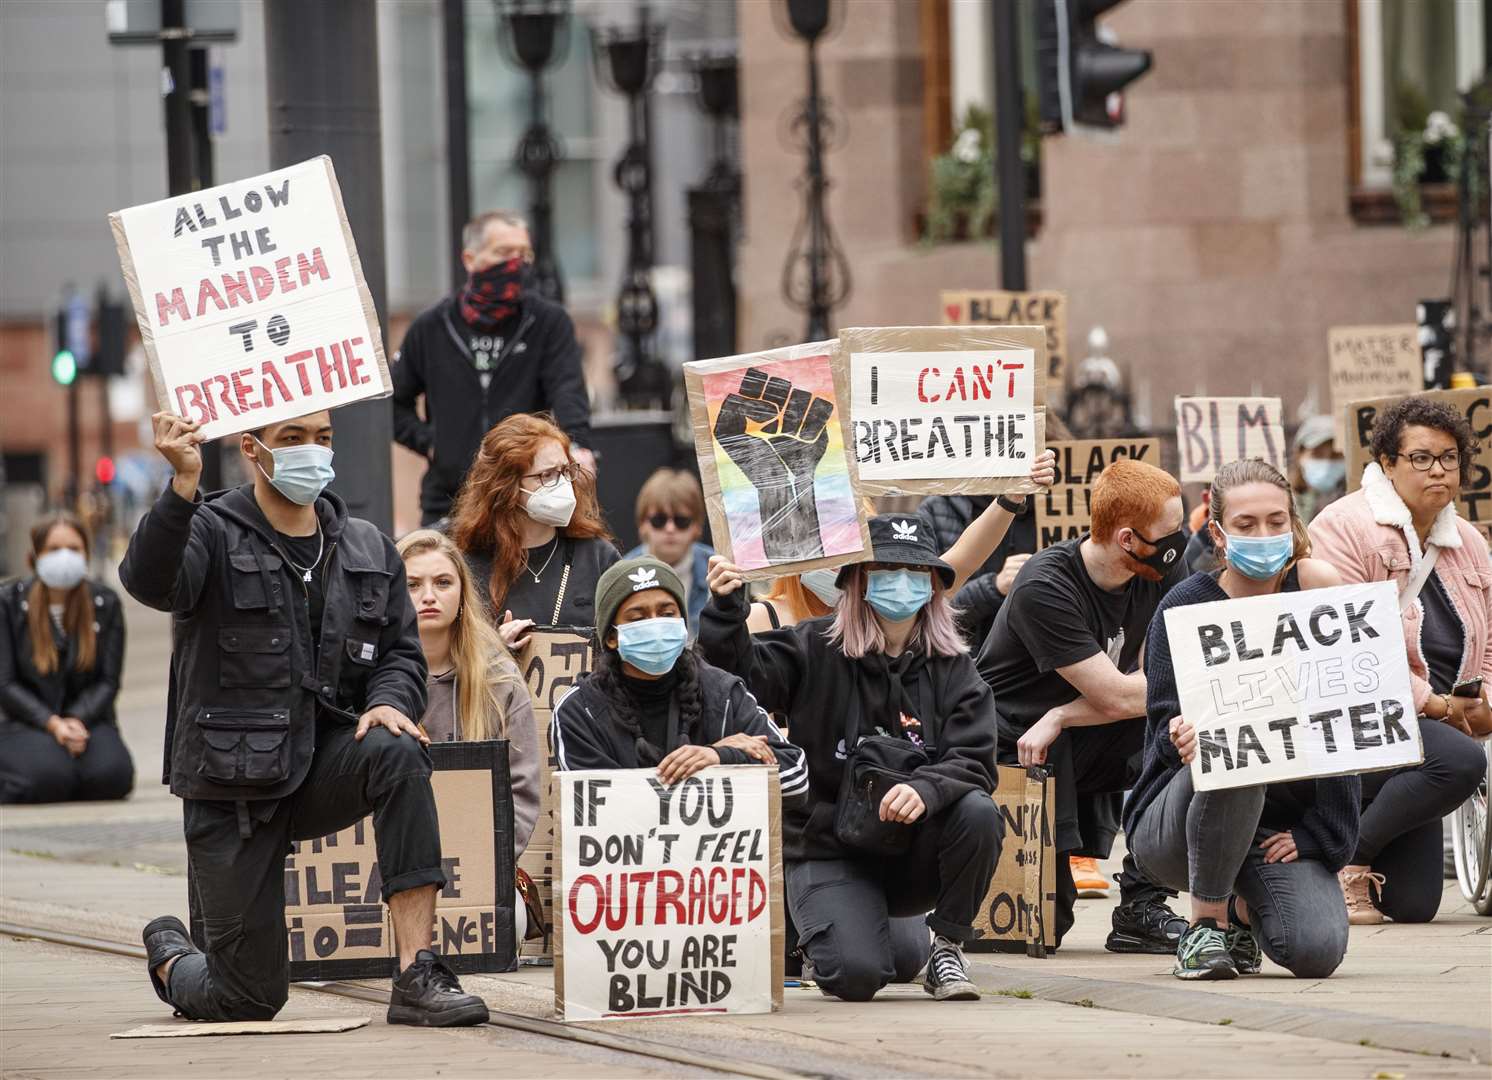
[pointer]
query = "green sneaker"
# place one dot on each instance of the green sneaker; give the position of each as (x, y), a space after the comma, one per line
(1244, 949)
(1202, 953)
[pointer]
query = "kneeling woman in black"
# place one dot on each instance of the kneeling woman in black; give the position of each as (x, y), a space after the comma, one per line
(889, 662)
(652, 703)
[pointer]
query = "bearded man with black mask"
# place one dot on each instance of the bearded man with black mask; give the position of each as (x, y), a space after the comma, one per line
(494, 349)
(1064, 661)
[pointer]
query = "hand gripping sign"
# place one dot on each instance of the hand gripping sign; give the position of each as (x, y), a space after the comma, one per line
(251, 301)
(1295, 685)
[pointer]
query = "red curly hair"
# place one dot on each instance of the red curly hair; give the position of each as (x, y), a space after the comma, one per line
(1129, 494)
(488, 516)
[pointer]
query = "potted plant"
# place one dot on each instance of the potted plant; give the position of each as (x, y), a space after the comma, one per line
(1429, 148)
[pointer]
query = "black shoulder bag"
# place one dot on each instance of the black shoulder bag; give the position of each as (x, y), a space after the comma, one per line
(873, 766)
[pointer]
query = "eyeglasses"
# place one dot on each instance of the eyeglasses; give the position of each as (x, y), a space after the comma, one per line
(682, 522)
(504, 254)
(551, 477)
(1450, 461)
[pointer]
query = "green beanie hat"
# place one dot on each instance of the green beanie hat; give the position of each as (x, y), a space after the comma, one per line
(633, 576)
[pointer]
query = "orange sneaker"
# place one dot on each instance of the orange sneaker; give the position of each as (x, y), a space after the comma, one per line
(1361, 911)
(1089, 879)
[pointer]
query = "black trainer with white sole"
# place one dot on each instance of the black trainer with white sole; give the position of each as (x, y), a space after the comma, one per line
(1145, 926)
(428, 994)
(165, 939)
(947, 975)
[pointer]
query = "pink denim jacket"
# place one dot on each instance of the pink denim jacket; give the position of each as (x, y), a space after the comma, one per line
(1369, 536)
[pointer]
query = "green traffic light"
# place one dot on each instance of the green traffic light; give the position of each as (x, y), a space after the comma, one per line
(64, 367)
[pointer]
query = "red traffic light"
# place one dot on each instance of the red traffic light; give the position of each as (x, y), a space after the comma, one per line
(103, 471)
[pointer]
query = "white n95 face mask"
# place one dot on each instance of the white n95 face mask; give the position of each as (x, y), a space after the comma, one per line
(554, 505)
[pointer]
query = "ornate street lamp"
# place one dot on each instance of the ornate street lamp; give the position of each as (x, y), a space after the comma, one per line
(816, 276)
(534, 34)
(627, 61)
(715, 213)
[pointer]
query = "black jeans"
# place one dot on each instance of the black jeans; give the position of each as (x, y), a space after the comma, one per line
(1400, 835)
(34, 767)
(849, 912)
(238, 882)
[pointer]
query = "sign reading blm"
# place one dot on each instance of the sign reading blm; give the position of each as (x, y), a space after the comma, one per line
(670, 895)
(251, 301)
(1294, 685)
(1210, 432)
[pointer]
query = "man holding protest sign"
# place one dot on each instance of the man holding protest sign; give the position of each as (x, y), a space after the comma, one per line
(1274, 848)
(1062, 660)
(1402, 526)
(296, 676)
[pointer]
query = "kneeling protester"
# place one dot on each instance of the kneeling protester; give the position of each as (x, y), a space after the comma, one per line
(897, 730)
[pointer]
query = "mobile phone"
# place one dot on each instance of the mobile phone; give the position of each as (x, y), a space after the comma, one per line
(1471, 688)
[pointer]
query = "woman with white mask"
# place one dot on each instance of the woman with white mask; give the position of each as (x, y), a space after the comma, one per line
(527, 521)
(61, 652)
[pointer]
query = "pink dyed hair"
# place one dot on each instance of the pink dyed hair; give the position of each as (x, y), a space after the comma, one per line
(857, 629)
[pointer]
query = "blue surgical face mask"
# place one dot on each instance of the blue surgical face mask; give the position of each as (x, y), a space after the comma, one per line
(1323, 474)
(652, 645)
(301, 472)
(822, 584)
(898, 594)
(1259, 557)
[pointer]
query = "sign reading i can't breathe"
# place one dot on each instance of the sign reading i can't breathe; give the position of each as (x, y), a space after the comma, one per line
(670, 896)
(1295, 685)
(251, 301)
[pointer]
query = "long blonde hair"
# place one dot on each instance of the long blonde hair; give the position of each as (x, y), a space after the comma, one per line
(1258, 471)
(77, 609)
(477, 651)
(857, 633)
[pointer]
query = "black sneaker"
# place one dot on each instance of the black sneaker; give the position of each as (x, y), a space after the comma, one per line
(1243, 947)
(947, 976)
(428, 994)
(1203, 953)
(1145, 926)
(164, 938)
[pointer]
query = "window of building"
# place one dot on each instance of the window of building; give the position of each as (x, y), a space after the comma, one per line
(1412, 59)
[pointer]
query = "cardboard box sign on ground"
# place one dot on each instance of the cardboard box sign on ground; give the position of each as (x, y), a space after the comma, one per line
(771, 435)
(1210, 432)
(673, 893)
(1475, 501)
(552, 662)
(251, 301)
(1046, 309)
(952, 410)
(337, 923)
(1295, 685)
(1064, 511)
(1019, 911)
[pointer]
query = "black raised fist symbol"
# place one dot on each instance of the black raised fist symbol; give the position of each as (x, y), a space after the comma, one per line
(780, 459)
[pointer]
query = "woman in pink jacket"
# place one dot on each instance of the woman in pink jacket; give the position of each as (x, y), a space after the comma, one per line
(1401, 526)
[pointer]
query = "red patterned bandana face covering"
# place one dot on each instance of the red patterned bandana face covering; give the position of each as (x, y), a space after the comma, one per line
(491, 295)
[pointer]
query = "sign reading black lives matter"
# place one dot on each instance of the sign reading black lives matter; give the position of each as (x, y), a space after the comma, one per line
(1295, 685)
(669, 898)
(251, 301)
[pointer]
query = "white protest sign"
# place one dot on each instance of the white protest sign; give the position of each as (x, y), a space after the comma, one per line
(1212, 431)
(251, 302)
(669, 898)
(1294, 685)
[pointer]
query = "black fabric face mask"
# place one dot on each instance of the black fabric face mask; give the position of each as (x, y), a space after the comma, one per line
(1168, 549)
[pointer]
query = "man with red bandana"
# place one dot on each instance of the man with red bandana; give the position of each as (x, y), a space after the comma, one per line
(494, 349)
(1063, 660)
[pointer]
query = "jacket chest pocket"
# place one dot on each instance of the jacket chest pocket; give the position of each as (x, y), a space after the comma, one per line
(370, 595)
(255, 587)
(245, 748)
(1395, 562)
(253, 656)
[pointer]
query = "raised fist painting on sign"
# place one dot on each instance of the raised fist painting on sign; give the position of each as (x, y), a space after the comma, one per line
(776, 434)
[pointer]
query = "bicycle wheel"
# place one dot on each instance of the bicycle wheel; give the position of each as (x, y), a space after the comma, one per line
(1472, 838)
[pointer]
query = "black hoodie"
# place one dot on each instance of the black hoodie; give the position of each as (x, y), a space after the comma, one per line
(799, 672)
(247, 681)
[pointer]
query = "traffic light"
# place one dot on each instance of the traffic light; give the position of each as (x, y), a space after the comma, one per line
(103, 471)
(64, 367)
(1081, 69)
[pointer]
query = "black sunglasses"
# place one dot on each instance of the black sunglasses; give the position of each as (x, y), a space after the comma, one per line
(682, 522)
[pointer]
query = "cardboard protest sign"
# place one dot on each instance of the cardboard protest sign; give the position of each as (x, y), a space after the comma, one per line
(1475, 501)
(1294, 685)
(1368, 362)
(1064, 511)
(770, 431)
(673, 895)
(552, 662)
(251, 301)
(337, 923)
(1018, 913)
(947, 409)
(1210, 432)
(1047, 309)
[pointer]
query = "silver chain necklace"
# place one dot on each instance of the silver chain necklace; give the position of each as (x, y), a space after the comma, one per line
(536, 573)
(307, 571)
